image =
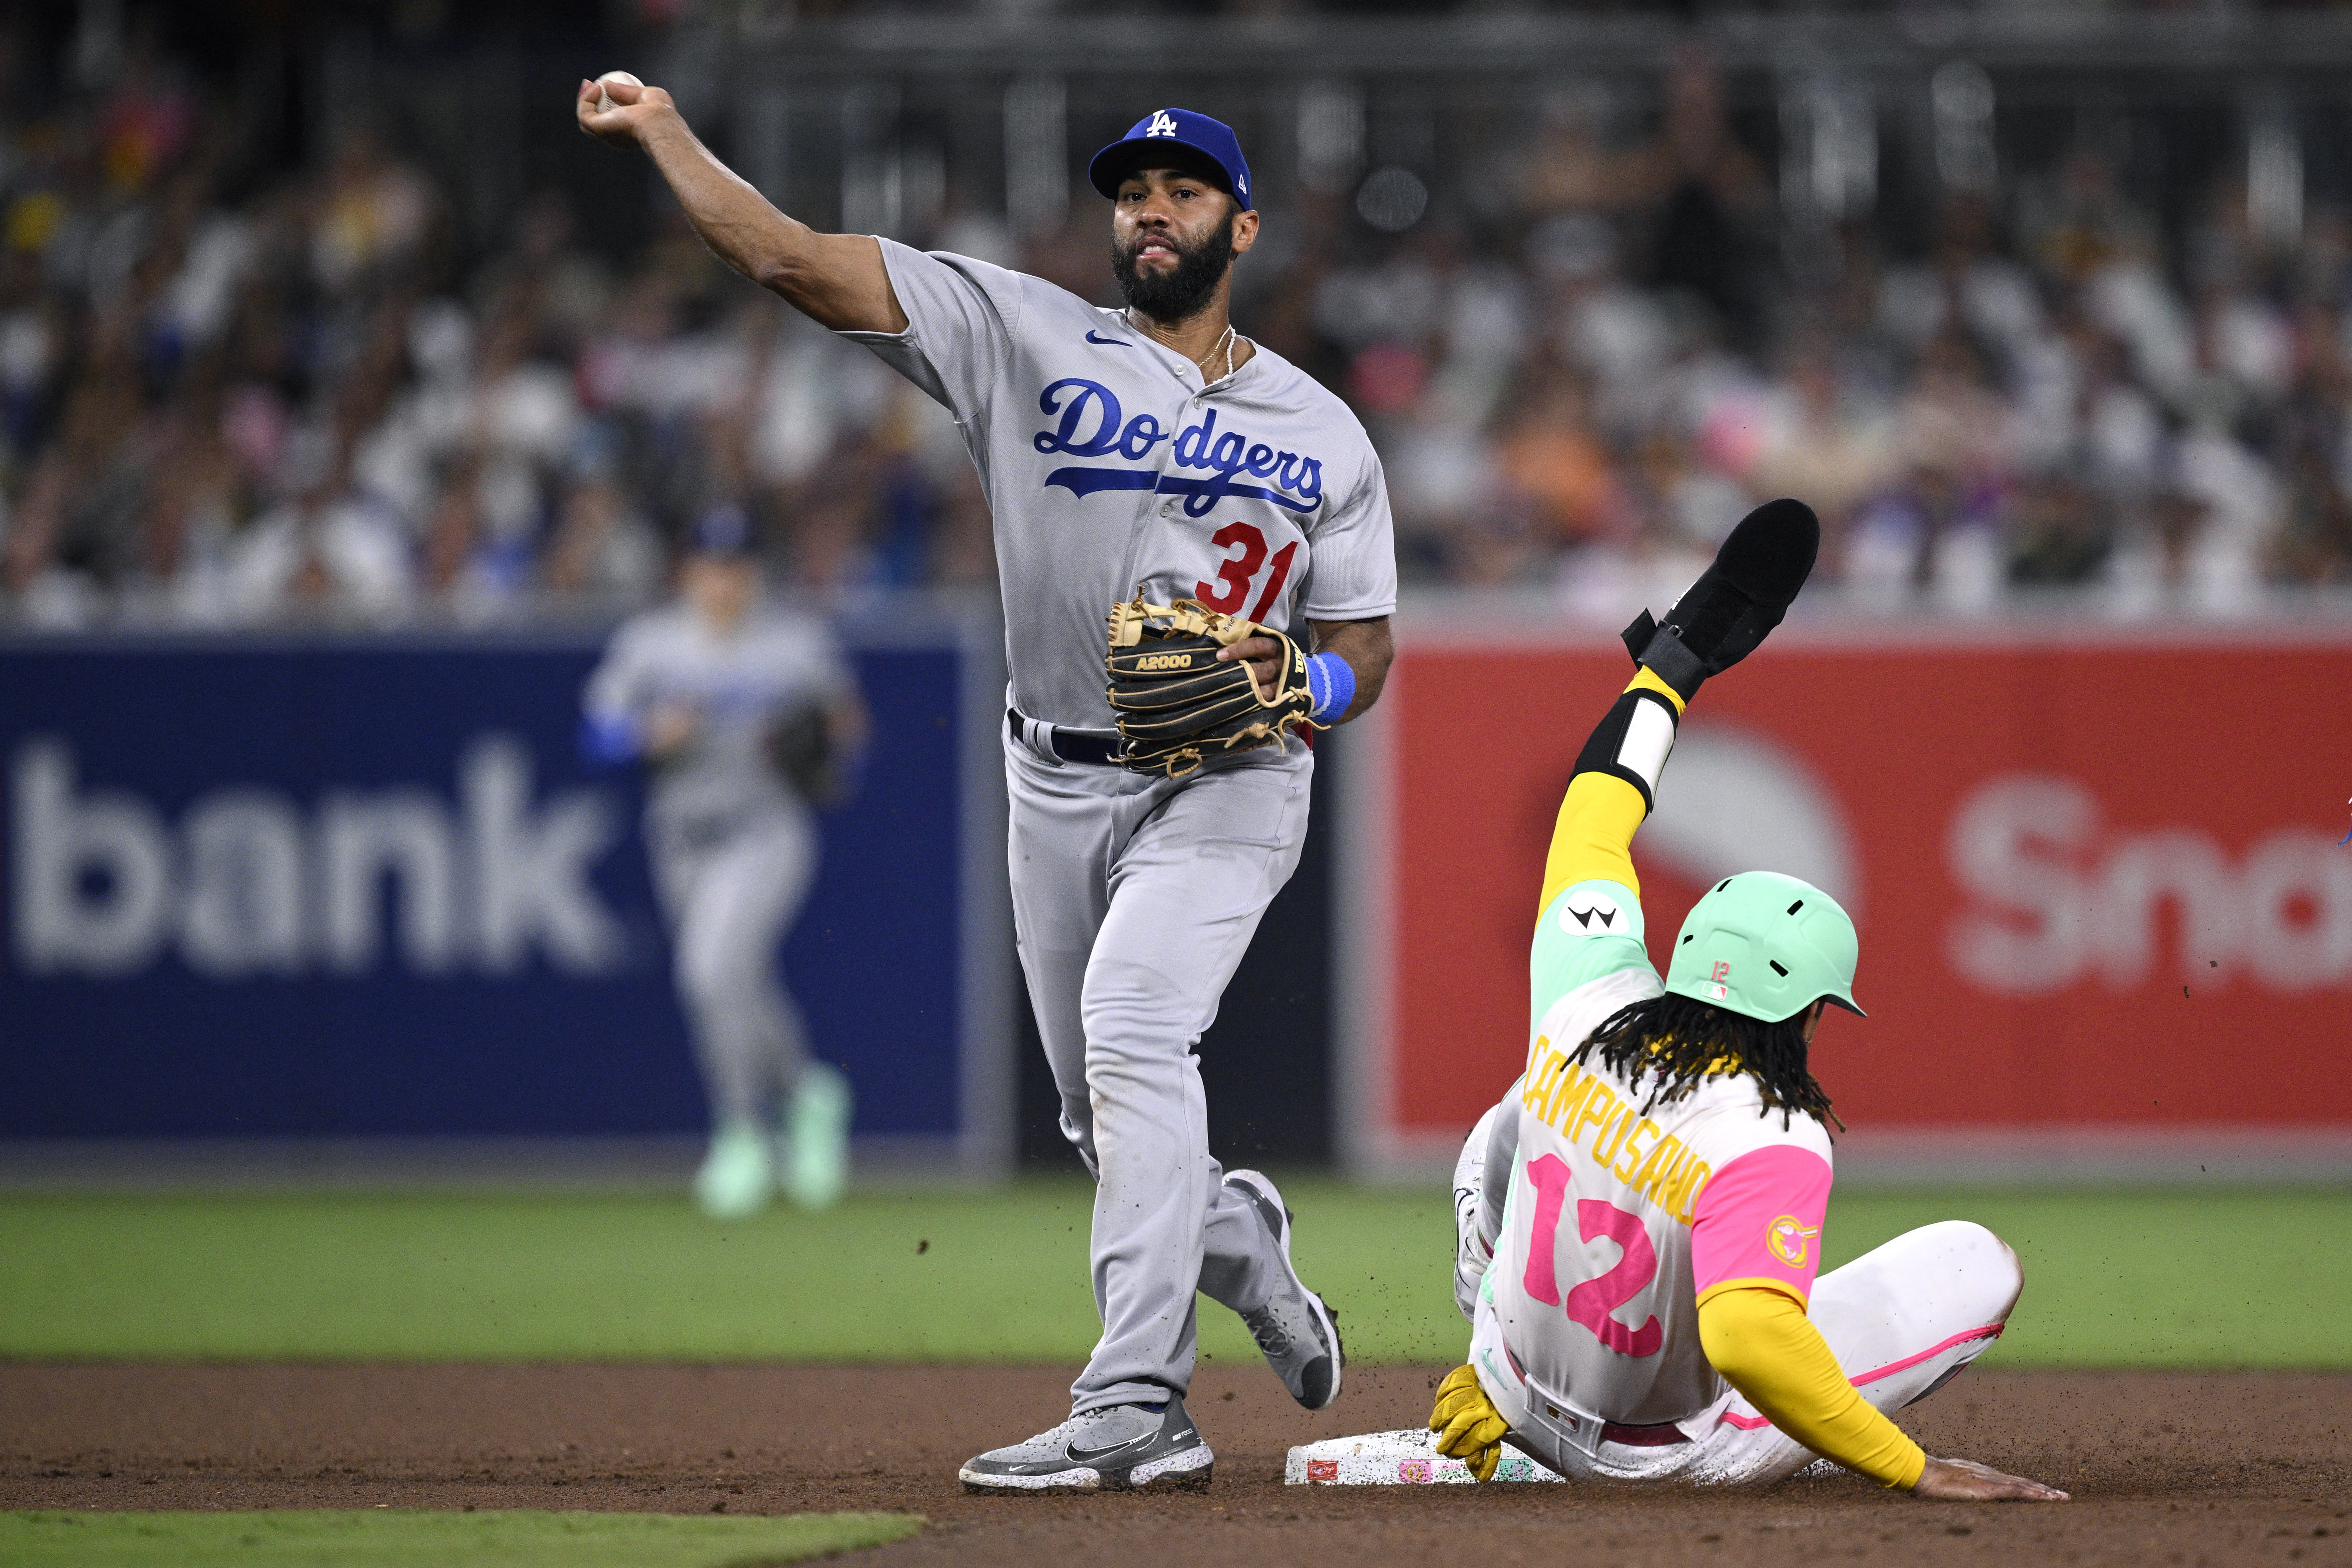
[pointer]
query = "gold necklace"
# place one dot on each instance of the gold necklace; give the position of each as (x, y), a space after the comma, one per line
(1226, 342)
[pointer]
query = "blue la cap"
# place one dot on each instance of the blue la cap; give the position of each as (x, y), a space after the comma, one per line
(723, 529)
(1212, 139)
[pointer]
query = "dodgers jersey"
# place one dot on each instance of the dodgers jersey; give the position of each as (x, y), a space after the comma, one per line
(737, 682)
(1619, 1222)
(1108, 464)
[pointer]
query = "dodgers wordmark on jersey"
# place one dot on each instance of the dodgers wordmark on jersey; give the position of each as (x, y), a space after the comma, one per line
(1108, 464)
(1620, 1222)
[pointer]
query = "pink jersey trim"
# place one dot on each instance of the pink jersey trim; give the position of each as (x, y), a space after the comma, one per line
(1759, 1217)
(1990, 1331)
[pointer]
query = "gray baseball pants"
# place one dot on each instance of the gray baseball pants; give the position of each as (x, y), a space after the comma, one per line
(1133, 899)
(728, 890)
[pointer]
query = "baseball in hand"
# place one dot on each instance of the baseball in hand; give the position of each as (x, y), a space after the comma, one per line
(604, 104)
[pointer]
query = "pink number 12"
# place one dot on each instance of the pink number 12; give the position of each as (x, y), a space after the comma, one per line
(1591, 1302)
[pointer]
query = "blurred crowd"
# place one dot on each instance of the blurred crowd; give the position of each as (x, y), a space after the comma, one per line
(2048, 397)
(232, 396)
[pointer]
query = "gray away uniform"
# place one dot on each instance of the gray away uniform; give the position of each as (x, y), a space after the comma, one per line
(732, 847)
(1108, 464)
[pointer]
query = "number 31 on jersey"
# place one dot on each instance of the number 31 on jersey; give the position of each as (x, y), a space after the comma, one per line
(1237, 571)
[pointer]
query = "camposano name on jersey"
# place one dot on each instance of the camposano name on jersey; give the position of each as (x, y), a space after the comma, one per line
(1574, 1101)
(1089, 423)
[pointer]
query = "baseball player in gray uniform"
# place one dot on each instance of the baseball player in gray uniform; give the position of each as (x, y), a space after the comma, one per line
(1149, 447)
(735, 706)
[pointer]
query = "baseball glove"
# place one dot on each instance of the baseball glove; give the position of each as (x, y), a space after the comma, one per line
(800, 748)
(1177, 706)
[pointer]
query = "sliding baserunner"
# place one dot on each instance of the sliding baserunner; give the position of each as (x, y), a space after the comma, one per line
(1640, 1218)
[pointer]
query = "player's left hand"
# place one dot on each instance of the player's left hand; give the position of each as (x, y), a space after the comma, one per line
(1964, 1480)
(1468, 1427)
(1265, 656)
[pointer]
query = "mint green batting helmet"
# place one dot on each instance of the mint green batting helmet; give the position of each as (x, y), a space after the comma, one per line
(1768, 946)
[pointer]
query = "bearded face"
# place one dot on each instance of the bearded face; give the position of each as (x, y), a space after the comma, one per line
(1175, 293)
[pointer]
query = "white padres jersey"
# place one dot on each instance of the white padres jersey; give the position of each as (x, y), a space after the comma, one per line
(773, 663)
(1619, 1222)
(1107, 464)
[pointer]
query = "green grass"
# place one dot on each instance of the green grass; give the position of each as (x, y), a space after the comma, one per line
(381, 1538)
(2144, 1277)
(2149, 1277)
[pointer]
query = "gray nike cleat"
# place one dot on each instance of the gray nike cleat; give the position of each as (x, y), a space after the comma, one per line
(1299, 1334)
(1124, 1448)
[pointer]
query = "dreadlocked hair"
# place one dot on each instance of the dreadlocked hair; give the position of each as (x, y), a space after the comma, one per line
(1678, 1044)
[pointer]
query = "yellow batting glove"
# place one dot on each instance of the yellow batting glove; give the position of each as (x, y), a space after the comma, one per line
(1469, 1426)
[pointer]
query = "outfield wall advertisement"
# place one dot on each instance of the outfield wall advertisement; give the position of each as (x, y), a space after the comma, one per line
(2098, 880)
(364, 888)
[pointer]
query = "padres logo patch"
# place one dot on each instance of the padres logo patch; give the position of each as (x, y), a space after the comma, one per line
(1789, 1239)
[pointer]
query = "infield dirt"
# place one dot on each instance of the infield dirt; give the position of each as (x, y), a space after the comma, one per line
(2170, 1467)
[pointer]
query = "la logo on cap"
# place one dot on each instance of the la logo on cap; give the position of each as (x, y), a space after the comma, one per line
(1162, 123)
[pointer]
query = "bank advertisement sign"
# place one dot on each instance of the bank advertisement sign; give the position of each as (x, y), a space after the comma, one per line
(342, 890)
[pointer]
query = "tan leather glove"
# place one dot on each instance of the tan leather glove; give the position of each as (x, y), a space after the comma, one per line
(1177, 707)
(1469, 1426)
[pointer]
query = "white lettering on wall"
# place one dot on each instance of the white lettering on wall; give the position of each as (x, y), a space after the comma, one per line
(2297, 911)
(2054, 897)
(242, 908)
(2006, 845)
(246, 885)
(401, 837)
(531, 871)
(93, 872)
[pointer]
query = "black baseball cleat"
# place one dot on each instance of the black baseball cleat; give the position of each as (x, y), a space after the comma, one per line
(1735, 601)
(1123, 1447)
(1299, 1334)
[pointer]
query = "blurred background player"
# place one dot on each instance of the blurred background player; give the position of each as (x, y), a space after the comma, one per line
(745, 715)
(1640, 1218)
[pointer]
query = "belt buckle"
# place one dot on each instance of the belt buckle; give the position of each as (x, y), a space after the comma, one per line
(1572, 1426)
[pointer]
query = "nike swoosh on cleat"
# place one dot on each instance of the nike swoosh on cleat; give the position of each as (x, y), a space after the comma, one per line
(1108, 342)
(1078, 1456)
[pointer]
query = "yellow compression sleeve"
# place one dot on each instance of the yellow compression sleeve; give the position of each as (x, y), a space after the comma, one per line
(1593, 839)
(1762, 1342)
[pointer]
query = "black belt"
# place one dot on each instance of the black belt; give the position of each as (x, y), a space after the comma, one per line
(1642, 1437)
(1099, 747)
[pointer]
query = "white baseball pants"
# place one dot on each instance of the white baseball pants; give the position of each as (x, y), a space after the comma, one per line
(1133, 899)
(729, 890)
(1900, 1318)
